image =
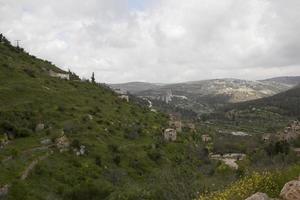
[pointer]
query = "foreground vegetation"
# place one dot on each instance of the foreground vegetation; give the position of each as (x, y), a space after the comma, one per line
(270, 183)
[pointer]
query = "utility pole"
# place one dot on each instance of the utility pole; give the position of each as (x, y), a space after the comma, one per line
(18, 43)
(93, 77)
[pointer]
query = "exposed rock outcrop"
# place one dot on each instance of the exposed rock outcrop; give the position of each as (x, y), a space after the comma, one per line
(3, 191)
(39, 127)
(62, 143)
(291, 191)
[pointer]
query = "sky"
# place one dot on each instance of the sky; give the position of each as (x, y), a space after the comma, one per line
(160, 41)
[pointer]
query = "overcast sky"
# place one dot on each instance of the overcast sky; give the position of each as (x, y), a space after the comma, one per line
(159, 40)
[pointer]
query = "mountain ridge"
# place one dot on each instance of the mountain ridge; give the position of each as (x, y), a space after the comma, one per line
(206, 95)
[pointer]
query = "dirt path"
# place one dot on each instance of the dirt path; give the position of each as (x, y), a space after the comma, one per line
(31, 166)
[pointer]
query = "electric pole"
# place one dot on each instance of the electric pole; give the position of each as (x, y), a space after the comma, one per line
(17, 41)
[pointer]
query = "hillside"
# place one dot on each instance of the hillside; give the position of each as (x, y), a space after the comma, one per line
(285, 103)
(288, 80)
(208, 95)
(64, 138)
(73, 139)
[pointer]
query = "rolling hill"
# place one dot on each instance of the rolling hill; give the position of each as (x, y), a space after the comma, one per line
(208, 95)
(285, 103)
(135, 87)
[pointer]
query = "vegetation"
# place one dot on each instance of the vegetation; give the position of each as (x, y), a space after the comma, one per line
(270, 183)
(125, 155)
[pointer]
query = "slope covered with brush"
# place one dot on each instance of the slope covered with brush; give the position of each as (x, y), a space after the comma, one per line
(73, 139)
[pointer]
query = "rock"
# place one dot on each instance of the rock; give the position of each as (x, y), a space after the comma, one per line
(259, 196)
(3, 191)
(62, 143)
(39, 127)
(81, 151)
(291, 191)
(3, 140)
(46, 141)
(90, 117)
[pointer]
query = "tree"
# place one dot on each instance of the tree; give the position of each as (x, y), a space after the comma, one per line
(93, 77)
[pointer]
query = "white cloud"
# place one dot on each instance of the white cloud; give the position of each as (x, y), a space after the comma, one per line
(165, 41)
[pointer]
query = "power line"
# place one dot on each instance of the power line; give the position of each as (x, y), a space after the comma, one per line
(18, 43)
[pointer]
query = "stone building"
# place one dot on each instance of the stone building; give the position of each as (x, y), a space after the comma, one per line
(125, 97)
(170, 135)
(122, 94)
(191, 126)
(291, 132)
(266, 137)
(59, 75)
(177, 125)
(206, 138)
(297, 151)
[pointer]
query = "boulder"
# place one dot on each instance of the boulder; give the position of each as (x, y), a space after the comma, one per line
(62, 143)
(90, 117)
(39, 127)
(46, 141)
(3, 191)
(291, 191)
(259, 196)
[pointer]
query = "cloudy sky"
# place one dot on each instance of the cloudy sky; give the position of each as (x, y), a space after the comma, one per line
(159, 40)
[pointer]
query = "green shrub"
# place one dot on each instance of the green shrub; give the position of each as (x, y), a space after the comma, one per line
(18, 191)
(89, 191)
(23, 132)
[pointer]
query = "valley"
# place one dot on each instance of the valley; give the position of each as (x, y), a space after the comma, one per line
(209, 95)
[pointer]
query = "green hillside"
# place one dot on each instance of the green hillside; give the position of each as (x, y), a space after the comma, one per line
(73, 140)
(285, 103)
(125, 156)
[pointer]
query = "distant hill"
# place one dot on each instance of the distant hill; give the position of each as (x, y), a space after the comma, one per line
(207, 95)
(135, 87)
(288, 80)
(285, 103)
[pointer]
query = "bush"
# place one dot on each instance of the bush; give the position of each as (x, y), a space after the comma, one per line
(18, 190)
(117, 159)
(30, 72)
(266, 182)
(89, 191)
(98, 161)
(155, 155)
(23, 132)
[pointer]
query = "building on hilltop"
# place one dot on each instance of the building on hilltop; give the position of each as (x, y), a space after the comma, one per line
(122, 94)
(59, 75)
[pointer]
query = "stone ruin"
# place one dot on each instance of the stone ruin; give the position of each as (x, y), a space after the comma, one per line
(291, 132)
(59, 75)
(170, 134)
(62, 143)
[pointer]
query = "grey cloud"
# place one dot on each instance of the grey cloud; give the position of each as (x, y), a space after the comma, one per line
(166, 41)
